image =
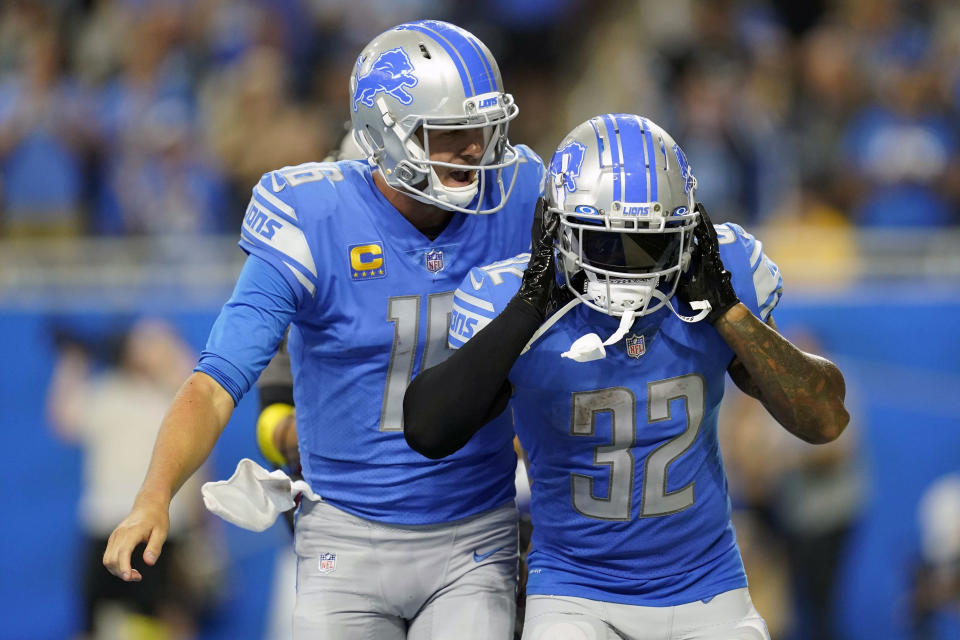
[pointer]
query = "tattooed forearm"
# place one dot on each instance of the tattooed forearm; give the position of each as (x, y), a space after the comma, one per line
(802, 391)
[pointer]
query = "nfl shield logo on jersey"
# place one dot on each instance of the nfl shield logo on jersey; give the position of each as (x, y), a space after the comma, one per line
(434, 260)
(328, 562)
(636, 346)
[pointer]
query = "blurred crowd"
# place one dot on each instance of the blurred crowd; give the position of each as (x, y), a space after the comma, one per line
(155, 117)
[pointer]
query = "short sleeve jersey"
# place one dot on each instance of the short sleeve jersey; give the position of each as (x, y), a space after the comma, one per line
(372, 297)
(629, 499)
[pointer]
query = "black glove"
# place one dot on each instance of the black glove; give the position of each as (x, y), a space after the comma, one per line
(707, 279)
(539, 280)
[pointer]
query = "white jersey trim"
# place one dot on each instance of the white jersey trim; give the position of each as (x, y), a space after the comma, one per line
(274, 201)
(477, 302)
(282, 235)
(302, 279)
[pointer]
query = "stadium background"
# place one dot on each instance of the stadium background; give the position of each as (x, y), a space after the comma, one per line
(131, 132)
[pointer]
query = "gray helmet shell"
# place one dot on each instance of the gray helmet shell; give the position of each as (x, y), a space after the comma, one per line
(431, 75)
(624, 176)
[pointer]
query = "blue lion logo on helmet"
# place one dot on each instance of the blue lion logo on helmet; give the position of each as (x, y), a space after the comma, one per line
(573, 153)
(391, 73)
(689, 182)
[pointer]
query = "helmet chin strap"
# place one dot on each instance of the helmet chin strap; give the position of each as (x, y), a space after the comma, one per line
(590, 347)
(702, 307)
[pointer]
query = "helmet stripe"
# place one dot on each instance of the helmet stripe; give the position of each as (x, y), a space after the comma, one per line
(480, 72)
(615, 157)
(634, 170)
(476, 73)
(491, 79)
(457, 61)
(651, 159)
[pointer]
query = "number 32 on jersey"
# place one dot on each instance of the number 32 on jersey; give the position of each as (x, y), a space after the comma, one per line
(618, 457)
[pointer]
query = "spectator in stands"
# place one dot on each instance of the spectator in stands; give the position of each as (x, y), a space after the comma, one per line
(253, 124)
(901, 150)
(900, 146)
(165, 184)
(154, 71)
(113, 414)
(43, 138)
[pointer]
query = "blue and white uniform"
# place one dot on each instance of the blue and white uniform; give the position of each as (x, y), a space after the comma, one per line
(630, 501)
(368, 297)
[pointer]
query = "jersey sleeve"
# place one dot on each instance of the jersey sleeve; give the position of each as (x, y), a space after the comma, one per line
(246, 334)
(274, 231)
(482, 295)
(756, 278)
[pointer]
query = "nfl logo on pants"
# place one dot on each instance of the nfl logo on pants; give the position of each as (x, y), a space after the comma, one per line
(434, 260)
(328, 562)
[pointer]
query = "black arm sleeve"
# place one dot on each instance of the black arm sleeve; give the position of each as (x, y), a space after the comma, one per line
(446, 404)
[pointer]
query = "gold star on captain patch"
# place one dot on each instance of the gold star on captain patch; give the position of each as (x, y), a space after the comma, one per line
(367, 261)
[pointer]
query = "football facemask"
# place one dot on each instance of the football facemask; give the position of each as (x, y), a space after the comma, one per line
(625, 195)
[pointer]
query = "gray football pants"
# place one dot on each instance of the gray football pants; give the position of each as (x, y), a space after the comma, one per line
(728, 616)
(363, 580)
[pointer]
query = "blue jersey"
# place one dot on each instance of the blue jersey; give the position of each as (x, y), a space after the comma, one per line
(630, 498)
(371, 298)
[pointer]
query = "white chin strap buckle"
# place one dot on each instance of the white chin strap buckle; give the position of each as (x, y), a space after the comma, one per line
(585, 349)
(590, 347)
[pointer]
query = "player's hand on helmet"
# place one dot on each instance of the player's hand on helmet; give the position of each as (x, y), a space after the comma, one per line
(148, 521)
(707, 278)
(539, 280)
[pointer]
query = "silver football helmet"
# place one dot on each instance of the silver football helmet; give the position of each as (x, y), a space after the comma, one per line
(428, 76)
(625, 196)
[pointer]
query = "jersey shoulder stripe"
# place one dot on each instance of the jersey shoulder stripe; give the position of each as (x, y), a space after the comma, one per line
(277, 240)
(274, 230)
(472, 302)
(482, 295)
(265, 198)
(766, 278)
(756, 278)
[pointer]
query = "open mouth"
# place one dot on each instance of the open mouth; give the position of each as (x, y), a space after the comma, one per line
(460, 177)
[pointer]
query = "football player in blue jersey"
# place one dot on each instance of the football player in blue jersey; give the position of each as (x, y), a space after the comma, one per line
(632, 535)
(361, 260)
